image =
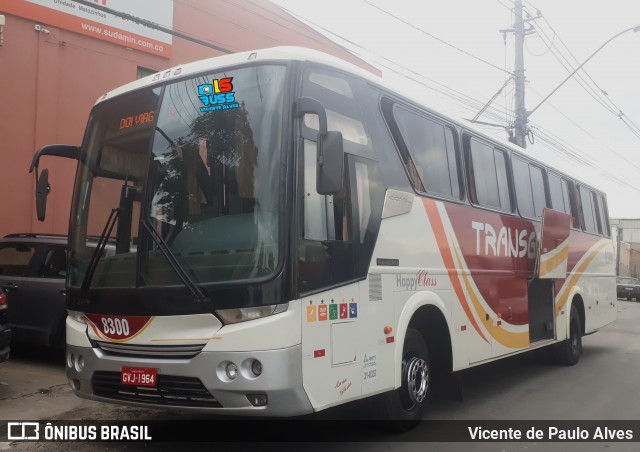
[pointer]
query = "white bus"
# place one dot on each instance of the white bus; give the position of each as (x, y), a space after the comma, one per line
(281, 233)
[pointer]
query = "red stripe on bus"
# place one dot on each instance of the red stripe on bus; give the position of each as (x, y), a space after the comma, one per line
(443, 245)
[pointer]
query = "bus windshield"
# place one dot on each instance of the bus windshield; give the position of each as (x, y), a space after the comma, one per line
(196, 163)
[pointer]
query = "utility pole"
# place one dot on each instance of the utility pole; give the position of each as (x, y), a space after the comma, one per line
(521, 114)
(519, 31)
(520, 125)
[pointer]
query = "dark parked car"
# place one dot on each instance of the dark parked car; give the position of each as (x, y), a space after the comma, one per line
(33, 270)
(5, 332)
(628, 287)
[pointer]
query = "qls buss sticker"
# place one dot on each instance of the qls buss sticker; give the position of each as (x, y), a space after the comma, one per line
(117, 328)
(217, 95)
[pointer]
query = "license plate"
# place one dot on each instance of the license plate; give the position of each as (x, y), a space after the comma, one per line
(628, 288)
(139, 376)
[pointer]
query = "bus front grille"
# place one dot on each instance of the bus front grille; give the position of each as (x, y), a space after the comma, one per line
(169, 390)
(151, 351)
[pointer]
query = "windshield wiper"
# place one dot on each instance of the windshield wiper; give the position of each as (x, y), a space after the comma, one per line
(97, 253)
(195, 290)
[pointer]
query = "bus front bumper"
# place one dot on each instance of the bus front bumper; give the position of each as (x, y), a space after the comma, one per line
(200, 383)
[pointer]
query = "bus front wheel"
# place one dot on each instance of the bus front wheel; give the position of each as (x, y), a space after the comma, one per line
(404, 406)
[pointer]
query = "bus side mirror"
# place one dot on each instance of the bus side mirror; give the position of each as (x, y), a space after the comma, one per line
(330, 163)
(42, 191)
(56, 150)
(330, 153)
(42, 180)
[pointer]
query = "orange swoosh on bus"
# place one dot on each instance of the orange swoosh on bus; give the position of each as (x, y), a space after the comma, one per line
(499, 333)
(549, 262)
(575, 276)
(445, 252)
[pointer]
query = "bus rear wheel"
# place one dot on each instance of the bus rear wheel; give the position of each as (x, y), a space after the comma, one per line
(404, 407)
(568, 351)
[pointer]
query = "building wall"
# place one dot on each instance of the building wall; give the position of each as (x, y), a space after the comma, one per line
(624, 260)
(629, 261)
(50, 81)
(626, 232)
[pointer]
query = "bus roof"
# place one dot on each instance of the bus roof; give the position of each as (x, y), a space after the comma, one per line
(289, 53)
(283, 53)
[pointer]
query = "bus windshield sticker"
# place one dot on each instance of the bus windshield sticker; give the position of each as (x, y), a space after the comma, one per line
(217, 95)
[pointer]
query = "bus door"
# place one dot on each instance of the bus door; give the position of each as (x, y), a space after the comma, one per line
(552, 257)
(343, 342)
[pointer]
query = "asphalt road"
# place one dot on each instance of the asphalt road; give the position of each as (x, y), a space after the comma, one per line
(603, 386)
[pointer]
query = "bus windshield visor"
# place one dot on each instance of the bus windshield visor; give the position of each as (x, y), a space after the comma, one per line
(197, 164)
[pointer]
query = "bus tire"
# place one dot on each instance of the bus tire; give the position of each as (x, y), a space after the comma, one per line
(568, 351)
(404, 406)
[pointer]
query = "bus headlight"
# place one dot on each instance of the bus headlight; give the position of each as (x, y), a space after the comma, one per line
(244, 314)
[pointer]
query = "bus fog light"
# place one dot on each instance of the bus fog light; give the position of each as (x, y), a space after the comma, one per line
(232, 371)
(70, 359)
(256, 368)
(79, 363)
(257, 399)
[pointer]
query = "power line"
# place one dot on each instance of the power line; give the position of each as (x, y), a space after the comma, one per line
(153, 25)
(548, 139)
(569, 67)
(434, 37)
(365, 53)
(598, 94)
(484, 108)
(470, 103)
(508, 7)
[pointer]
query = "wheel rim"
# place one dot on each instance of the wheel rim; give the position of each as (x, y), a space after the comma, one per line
(416, 381)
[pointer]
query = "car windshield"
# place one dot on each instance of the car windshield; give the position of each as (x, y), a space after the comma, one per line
(199, 162)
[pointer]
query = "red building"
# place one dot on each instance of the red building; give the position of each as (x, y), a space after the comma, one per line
(58, 56)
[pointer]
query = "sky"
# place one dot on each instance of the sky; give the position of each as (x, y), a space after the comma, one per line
(453, 56)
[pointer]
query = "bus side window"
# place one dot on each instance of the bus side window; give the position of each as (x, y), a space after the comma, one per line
(487, 175)
(337, 237)
(560, 196)
(430, 146)
(529, 187)
(427, 148)
(326, 217)
(604, 215)
(522, 185)
(335, 243)
(597, 212)
(588, 210)
(574, 199)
